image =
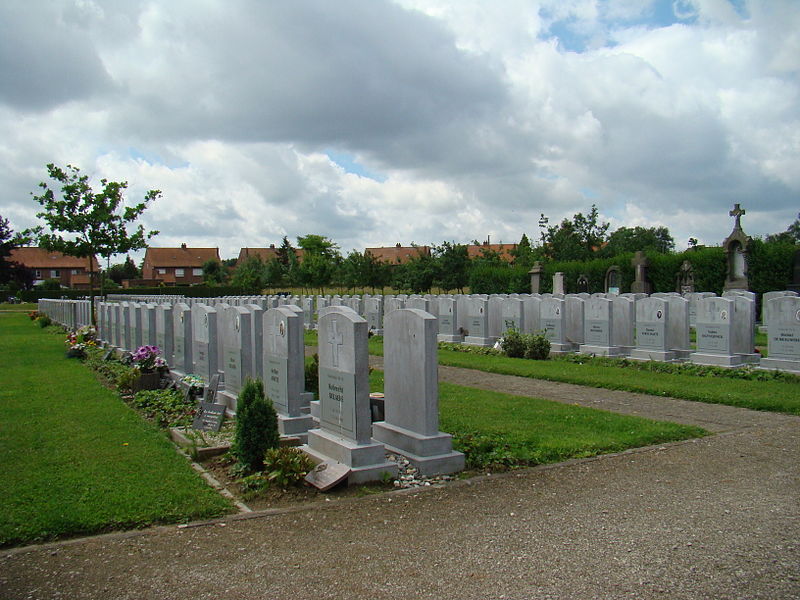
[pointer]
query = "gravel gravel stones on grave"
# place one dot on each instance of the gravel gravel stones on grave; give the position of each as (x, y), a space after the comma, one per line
(408, 476)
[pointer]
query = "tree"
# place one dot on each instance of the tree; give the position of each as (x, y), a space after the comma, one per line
(214, 273)
(250, 276)
(96, 223)
(791, 235)
(126, 270)
(12, 272)
(453, 261)
(320, 260)
(418, 274)
(577, 239)
(524, 255)
(631, 239)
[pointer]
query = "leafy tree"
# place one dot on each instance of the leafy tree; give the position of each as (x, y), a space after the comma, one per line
(95, 222)
(12, 272)
(524, 255)
(250, 276)
(454, 264)
(214, 272)
(577, 239)
(320, 260)
(791, 235)
(418, 274)
(126, 270)
(631, 239)
(275, 272)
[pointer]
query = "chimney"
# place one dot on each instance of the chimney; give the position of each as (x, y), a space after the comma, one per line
(183, 246)
(272, 246)
(397, 245)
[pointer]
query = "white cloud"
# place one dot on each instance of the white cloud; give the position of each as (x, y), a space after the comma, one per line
(476, 118)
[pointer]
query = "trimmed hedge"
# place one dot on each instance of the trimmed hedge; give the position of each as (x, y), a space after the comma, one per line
(198, 291)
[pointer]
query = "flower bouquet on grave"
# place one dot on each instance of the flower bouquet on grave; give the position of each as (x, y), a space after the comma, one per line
(195, 383)
(147, 361)
(78, 344)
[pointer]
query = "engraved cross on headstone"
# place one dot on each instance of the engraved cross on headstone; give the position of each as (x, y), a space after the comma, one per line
(335, 339)
(737, 212)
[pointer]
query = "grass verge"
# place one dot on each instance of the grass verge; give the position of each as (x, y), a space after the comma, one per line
(76, 460)
(497, 430)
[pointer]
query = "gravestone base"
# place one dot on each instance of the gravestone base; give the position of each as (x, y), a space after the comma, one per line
(295, 426)
(751, 359)
(561, 349)
(228, 399)
(625, 350)
(600, 350)
(658, 355)
(781, 364)
(366, 461)
(430, 454)
(315, 409)
(451, 339)
(716, 360)
(682, 354)
(484, 342)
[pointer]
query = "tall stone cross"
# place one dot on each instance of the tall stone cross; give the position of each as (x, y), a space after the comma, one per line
(335, 339)
(737, 212)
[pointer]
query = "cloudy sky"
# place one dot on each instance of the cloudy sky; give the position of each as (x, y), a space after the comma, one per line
(375, 122)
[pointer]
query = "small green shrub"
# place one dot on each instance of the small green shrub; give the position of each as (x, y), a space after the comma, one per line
(43, 321)
(286, 466)
(168, 408)
(312, 375)
(537, 347)
(256, 426)
(513, 344)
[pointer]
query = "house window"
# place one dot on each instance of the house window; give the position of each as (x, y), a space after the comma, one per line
(74, 271)
(54, 273)
(197, 272)
(162, 271)
(38, 274)
(178, 272)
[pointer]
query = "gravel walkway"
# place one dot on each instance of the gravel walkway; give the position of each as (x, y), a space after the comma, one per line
(712, 518)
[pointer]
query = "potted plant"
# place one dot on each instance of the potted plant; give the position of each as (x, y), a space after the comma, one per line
(149, 363)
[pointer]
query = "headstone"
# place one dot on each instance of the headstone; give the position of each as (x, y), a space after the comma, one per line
(257, 335)
(373, 307)
(582, 283)
(164, 332)
(411, 392)
(652, 316)
(641, 283)
(714, 333)
(512, 313)
(182, 354)
(448, 321)
(531, 310)
(205, 341)
(345, 428)
(536, 272)
(478, 323)
(558, 283)
(236, 335)
(678, 327)
(135, 325)
(495, 311)
(598, 328)
(284, 371)
(743, 329)
(736, 251)
(766, 306)
(148, 312)
(126, 317)
(685, 278)
(573, 306)
(783, 335)
(623, 334)
(552, 321)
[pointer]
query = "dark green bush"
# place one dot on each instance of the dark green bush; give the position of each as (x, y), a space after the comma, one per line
(312, 375)
(513, 344)
(537, 347)
(256, 426)
(43, 321)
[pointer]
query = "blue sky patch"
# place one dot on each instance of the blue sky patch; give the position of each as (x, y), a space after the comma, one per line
(349, 163)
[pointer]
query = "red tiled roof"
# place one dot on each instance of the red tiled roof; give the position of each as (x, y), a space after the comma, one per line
(39, 258)
(398, 254)
(179, 257)
(265, 254)
(503, 250)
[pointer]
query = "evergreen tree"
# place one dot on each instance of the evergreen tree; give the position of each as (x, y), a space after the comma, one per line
(256, 426)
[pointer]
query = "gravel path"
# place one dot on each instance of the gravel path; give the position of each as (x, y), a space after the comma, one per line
(712, 518)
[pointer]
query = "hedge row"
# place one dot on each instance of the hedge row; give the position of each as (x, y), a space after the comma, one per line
(198, 291)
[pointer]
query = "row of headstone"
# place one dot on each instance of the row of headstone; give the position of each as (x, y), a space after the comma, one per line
(72, 314)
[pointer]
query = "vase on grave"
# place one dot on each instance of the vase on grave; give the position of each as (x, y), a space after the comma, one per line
(147, 381)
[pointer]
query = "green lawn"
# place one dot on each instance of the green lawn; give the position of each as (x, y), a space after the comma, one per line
(75, 459)
(494, 427)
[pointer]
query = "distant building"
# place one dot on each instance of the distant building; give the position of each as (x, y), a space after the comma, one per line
(398, 255)
(177, 266)
(265, 254)
(71, 272)
(504, 250)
